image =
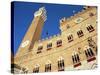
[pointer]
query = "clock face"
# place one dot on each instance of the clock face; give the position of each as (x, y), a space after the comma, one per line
(25, 43)
(78, 20)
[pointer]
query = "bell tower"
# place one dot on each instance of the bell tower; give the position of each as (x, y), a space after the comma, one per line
(33, 33)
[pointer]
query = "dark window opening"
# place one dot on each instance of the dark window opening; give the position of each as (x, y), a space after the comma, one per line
(70, 38)
(61, 65)
(80, 33)
(90, 28)
(36, 70)
(49, 46)
(89, 55)
(48, 68)
(76, 60)
(39, 49)
(59, 43)
(91, 14)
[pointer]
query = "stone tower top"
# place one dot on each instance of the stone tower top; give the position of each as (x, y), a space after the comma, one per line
(41, 12)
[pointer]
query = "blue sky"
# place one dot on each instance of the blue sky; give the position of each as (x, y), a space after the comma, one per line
(24, 14)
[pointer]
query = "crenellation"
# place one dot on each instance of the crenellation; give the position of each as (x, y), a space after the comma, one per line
(63, 20)
(74, 16)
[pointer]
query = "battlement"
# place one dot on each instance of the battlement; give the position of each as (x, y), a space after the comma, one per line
(64, 19)
(49, 38)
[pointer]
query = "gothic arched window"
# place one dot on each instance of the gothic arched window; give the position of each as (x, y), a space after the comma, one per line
(80, 33)
(76, 60)
(90, 28)
(61, 65)
(59, 43)
(48, 67)
(89, 54)
(36, 69)
(70, 38)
